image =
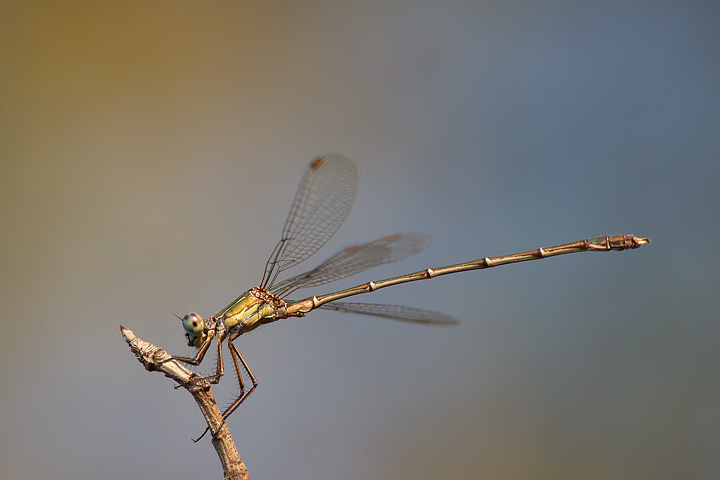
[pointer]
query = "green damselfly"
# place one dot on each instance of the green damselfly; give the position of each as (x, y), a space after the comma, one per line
(322, 202)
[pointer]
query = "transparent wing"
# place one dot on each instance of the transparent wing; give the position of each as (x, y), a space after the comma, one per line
(322, 202)
(355, 259)
(393, 312)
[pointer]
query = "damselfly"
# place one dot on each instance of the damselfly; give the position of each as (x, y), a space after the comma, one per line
(323, 200)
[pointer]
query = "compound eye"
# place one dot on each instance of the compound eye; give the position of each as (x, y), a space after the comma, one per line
(193, 325)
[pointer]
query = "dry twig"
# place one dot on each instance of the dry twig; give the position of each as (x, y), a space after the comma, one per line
(156, 359)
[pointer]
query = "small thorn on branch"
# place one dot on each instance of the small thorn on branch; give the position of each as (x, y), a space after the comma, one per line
(154, 358)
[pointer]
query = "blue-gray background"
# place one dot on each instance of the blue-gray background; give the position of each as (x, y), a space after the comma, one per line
(149, 155)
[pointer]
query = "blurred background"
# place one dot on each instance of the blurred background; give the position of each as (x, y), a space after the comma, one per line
(149, 154)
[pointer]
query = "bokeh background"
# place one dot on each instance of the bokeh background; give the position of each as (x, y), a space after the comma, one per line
(149, 153)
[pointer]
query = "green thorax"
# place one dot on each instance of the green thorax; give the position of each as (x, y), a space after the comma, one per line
(251, 309)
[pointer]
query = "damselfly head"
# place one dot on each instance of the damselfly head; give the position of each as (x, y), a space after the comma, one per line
(194, 325)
